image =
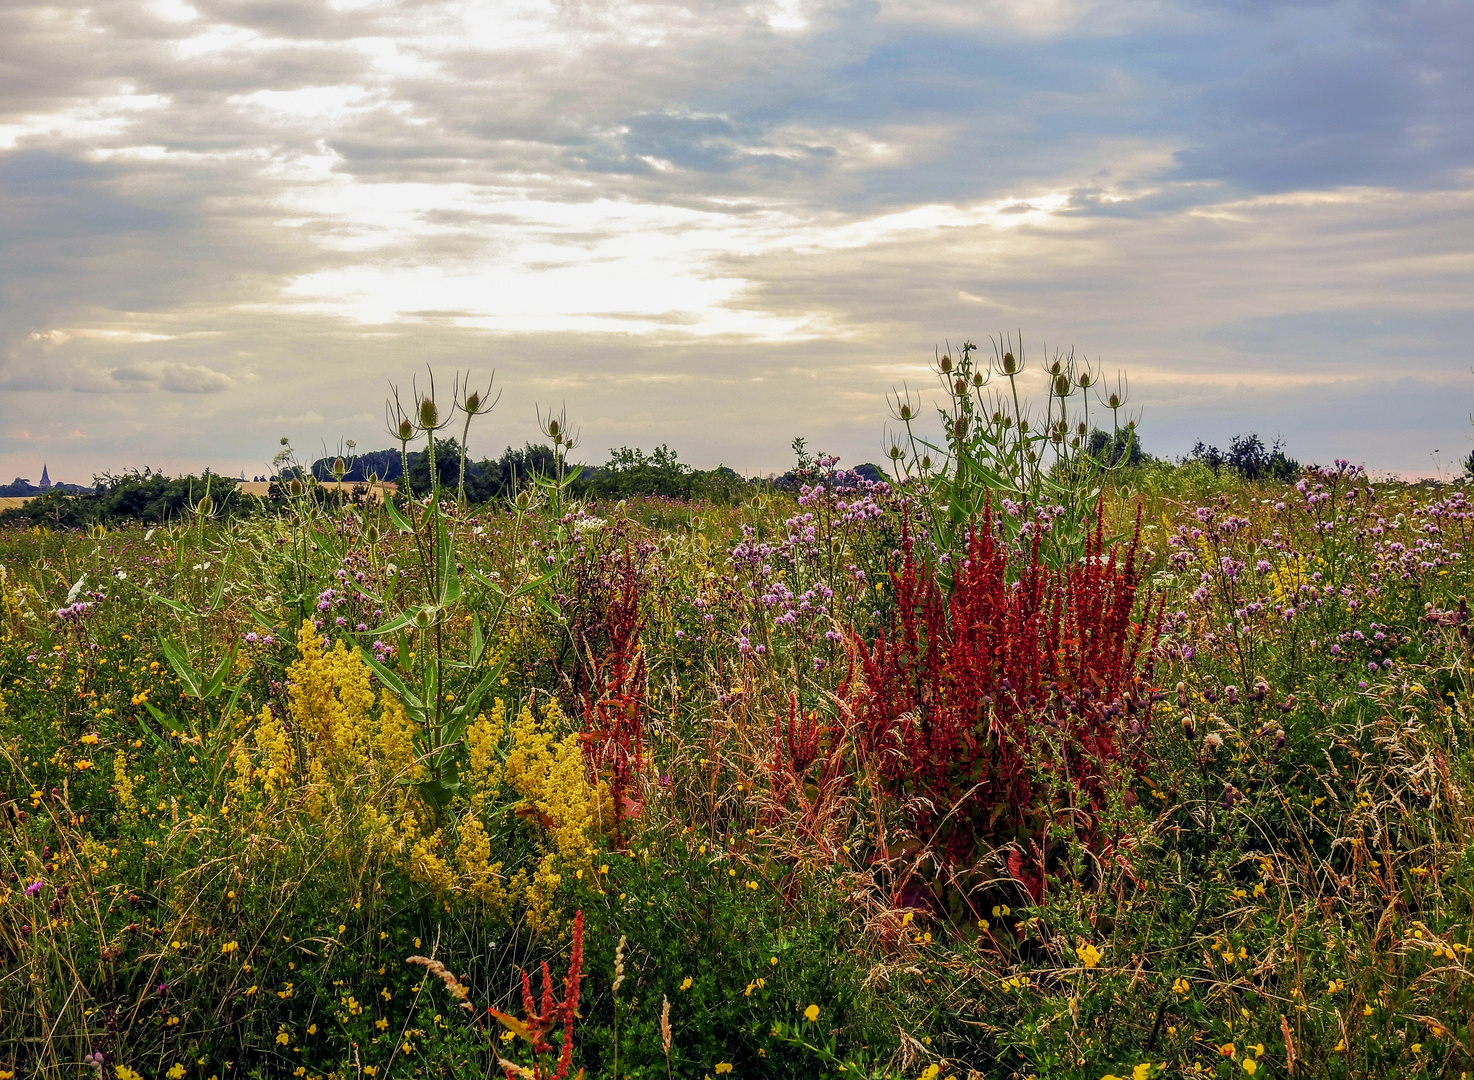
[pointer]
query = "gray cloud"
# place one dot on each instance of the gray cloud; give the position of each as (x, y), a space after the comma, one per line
(722, 224)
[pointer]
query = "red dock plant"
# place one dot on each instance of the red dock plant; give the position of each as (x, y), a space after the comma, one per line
(541, 1018)
(996, 712)
(614, 695)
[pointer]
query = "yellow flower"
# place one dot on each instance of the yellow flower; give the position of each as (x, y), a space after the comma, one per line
(1180, 986)
(931, 1071)
(1250, 1066)
(1258, 1049)
(124, 1073)
(722, 1067)
(175, 1072)
(811, 1013)
(283, 1038)
(312, 1029)
(686, 983)
(1089, 955)
(381, 1024)
(371, 1070)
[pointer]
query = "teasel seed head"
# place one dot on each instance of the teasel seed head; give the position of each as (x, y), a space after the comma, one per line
(1010, 365)
(946, 363)
(429, 414)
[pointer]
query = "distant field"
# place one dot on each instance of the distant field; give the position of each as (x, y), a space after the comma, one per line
(12, 502)
(262, 487)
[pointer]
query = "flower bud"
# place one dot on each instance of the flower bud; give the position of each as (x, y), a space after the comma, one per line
(429, 414)
(895, 452)
(473, 402)
(1084, 380)
(959, 428)
(1080, 429)
(1182, 695)
(295, 488)
(555, 431)
(406, 431)
(977, 378)
(1010, 365)
(926, 462)
(959, 387)
(946, 362)
(1114, 401)
(1189, 731)
(1061, 386)
(339, 468)
(905, 412)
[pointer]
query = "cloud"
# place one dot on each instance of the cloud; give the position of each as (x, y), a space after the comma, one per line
(720, 225)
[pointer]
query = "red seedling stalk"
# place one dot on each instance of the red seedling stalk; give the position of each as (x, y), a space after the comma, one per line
(539, 1020)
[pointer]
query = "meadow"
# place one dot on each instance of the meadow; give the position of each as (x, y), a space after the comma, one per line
(1028, 763)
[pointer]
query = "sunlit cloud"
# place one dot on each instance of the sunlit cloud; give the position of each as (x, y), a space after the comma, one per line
(721, 225)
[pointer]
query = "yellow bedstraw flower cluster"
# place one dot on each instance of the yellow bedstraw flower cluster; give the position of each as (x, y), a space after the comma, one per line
(341, 752)
(549, 775)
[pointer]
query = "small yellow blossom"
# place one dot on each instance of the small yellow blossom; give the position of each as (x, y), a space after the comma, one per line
(686, 983)
(722, 1067)
(811, 1014)
(1089, 955)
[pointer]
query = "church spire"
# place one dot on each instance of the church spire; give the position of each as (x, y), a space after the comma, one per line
(45, 484)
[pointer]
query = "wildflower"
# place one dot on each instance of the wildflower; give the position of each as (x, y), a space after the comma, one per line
(686, 983)
(931, 1071)
(1089, 955)
(283, 1038)
(722, 1067)
(381, 1024)
(1180, 986)
(811, 1014)
(1250, 1066)
(175, 1072)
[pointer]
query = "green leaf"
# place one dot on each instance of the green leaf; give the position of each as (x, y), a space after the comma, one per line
(397, 518)
(168, 721)
(396, 685)
(181, 665)
(445, 557)
(478, 643)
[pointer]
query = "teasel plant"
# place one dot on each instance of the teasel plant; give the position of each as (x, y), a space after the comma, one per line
(555, 430)
(1037, 471)
(441, 688)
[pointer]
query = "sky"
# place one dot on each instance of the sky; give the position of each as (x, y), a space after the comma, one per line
(721, 224)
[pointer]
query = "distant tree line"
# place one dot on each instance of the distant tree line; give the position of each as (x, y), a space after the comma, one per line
(1250, 458)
